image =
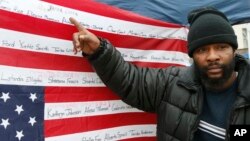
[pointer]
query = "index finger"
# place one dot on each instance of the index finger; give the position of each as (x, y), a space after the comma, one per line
(77, 24)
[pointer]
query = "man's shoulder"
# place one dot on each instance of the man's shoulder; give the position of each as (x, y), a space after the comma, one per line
(184, 73)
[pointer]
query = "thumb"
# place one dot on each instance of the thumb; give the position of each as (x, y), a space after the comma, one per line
(88, 39)
(84, 38)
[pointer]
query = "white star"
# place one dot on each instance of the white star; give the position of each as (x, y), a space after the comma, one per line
(5, 123)
(33, 97)
(5, 96)
(19, 109)
(19, 134)
(32, 120)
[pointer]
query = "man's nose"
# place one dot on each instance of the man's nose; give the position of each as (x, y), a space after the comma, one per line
(212, 55)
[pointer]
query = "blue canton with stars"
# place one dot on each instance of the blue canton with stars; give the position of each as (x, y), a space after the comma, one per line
(21, 113)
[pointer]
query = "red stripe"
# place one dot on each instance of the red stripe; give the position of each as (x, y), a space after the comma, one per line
(78, 94)
(29, 59)
(125, 41)
(91, 123)
(24, 23)
(110, 11)
(155, 65)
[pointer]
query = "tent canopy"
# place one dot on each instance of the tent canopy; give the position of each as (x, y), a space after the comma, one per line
(175, 11)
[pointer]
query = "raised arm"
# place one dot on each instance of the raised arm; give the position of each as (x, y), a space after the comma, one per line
(143, 88)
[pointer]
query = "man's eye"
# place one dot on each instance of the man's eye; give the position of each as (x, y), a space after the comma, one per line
(222, 47)
(201, 50)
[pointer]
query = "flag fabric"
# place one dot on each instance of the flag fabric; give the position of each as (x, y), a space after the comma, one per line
(175, 11)
(49, 94)
(21, 113)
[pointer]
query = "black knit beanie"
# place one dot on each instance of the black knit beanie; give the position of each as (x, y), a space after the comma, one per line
(207, 26)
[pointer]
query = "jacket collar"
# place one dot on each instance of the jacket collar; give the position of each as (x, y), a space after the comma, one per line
(189, 79)
(243, 69)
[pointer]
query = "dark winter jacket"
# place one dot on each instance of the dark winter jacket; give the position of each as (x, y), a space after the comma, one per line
(174, 93)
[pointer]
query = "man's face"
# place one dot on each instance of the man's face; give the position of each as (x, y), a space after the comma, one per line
(214, 63)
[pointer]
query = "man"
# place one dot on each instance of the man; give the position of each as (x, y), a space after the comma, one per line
(192, 103)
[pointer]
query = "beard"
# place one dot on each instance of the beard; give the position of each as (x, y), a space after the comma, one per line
(215, 83)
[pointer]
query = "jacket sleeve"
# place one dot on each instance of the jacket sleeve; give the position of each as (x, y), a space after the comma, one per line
(139, 87)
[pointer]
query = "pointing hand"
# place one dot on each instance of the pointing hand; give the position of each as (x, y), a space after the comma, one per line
(84, 40)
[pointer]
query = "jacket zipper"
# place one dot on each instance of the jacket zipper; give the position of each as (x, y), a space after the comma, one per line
(200, 106)
(231, 117)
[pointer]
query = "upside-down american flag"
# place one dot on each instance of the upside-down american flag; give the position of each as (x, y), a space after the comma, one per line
(48, 93)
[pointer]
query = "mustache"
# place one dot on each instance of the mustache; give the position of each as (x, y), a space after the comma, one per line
(214, 65)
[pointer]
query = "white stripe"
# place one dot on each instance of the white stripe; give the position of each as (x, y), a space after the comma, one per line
(31, 42)
(61, 14)
(155, 56)
(212, 128)
(207, 131)
(39, 77)
(37, 43)
(110, 134)
(82, 109)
